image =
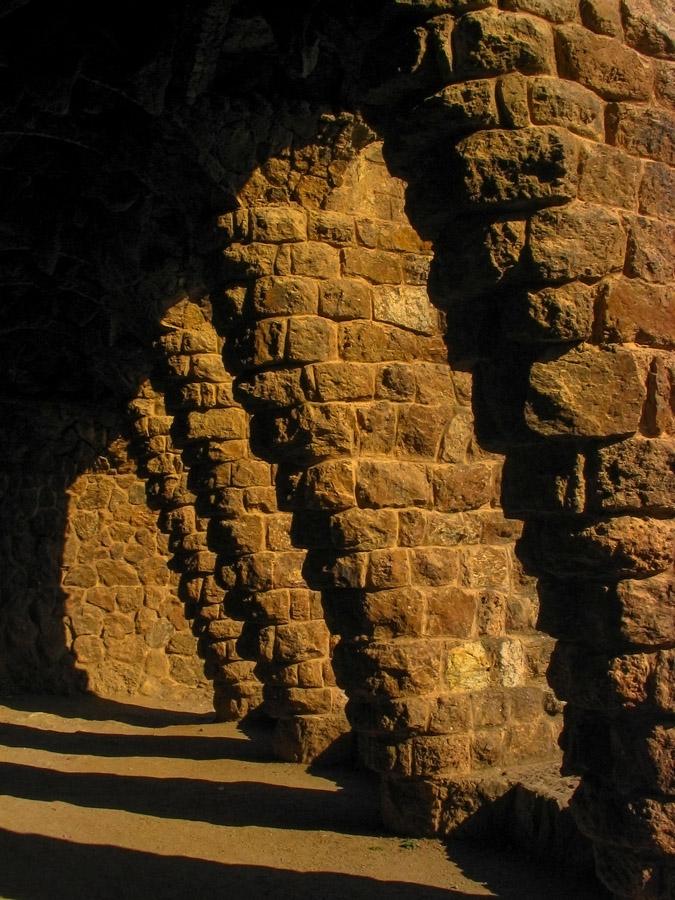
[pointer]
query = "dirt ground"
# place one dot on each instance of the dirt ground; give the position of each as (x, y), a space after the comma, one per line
(107, 799)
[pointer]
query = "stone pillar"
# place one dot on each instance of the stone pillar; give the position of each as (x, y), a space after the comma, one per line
(537, 142)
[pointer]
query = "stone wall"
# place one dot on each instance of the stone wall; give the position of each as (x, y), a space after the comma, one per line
(125, 624)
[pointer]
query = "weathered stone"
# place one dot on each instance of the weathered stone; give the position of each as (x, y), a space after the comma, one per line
(377, 266)
(363, 529)
(462, 487)
(346, 298)
(456, 109)
(642, 130)
(315, 259)
(634, 311)
(651, 250)
(376, 428)
(491, 43)
(602, 64)
(518, 168)
(285, 296)
(635, 475)
(407, 306)
(576, 241)
(586, 393)
(331, 227)
(556, 314)
(310, 339)
(657, 191)
(329, 485)
(608, 176)
(623, 547)
(221, 424)
(648, 27)
(476, 259)
(554, 101)
(602, 17)
(417, 434)
(468, 667)
(647, 610)
(392, 483)
(342, 381)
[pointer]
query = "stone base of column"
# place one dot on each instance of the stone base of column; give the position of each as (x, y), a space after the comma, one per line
(527, 806)
(326, 740)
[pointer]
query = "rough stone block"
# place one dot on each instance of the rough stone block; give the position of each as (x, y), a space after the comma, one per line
(329, 485)
(608, 176)
(310, 339)
(555, 314)
(433, 566)
(407, 306)
(342, 381)
(633, 311)
(372, 342)
(636, 475)
(299, 641)
(491, 42)
(315, 259)
(220, 424)
(420, 429)
(646, 131)
(647, 610)
(602, 17)
(331, 227)
(276, 387)
(377, 266)
(393, 236)
(396, 382)
(586, 393)
(250, 260)
(554, 101)
(277, 224)
(345, 298)
(623, 547)
(657, 191)
(364, 529)
(285, 296)
(576, 241)
(602, 64)
(387, 569)
(468, 667)
(451, 612)
(515, 169)
(651, 250)
(485, 568)
(376, 424)
(392, 483)
(461, 487)
(648, 27)
(393, 613)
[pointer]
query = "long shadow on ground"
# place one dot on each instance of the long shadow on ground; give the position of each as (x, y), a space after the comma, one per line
(85, 743)
(44, 868)
(228, 803)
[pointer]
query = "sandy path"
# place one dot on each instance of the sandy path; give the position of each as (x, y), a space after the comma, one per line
(100, 799)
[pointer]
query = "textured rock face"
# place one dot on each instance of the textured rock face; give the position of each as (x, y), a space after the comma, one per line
(327, 480)
(558, 193)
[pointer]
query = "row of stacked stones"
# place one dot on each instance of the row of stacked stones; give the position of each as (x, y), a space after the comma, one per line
(552, 129)
(232, 545)
(342, 362)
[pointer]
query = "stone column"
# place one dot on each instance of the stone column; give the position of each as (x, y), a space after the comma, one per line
(539, 155)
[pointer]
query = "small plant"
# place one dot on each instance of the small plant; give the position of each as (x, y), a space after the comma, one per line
(408, 844)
